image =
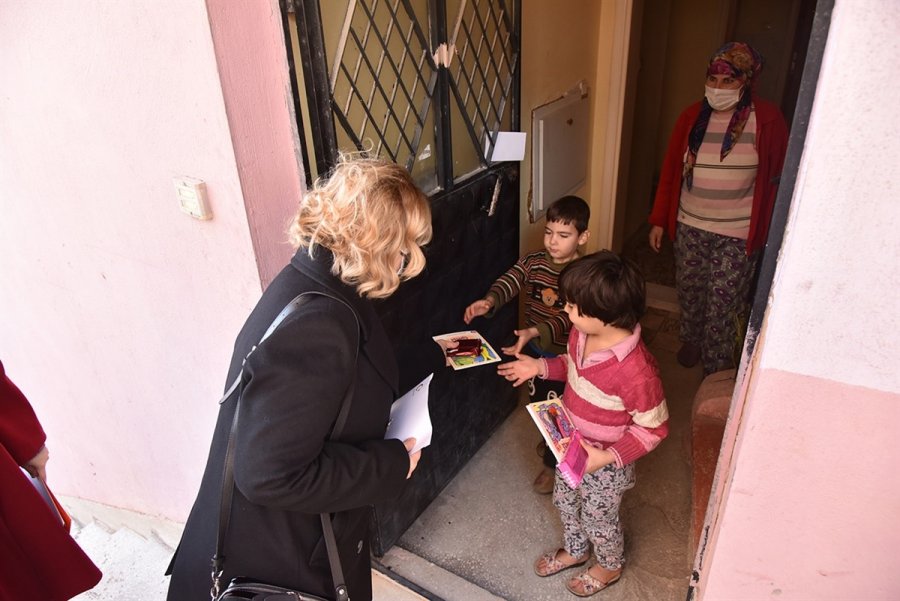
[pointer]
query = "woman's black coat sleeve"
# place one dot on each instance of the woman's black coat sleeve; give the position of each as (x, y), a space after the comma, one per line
(294, 384)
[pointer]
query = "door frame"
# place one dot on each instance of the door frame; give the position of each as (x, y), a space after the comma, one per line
(475, 223)
(768, 265)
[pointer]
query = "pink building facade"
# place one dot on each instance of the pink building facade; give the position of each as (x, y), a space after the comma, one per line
(118, 310)
(807, 502)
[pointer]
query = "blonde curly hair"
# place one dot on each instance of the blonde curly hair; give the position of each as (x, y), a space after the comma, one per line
(368, 213)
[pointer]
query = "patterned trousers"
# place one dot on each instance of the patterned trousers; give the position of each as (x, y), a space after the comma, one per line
(590, 514)
(713, 275)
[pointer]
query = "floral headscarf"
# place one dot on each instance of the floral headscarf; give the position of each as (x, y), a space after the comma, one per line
(739, 60)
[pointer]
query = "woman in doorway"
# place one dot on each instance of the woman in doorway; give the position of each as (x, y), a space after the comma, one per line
(715, 197)
(358, 236)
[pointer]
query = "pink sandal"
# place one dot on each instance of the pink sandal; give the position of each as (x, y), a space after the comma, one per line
(548, 564)
(585, 585)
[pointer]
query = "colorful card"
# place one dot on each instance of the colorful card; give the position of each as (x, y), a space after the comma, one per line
(561, 436)
(473, 350)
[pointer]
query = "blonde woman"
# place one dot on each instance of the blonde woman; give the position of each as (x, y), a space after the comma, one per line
(358, 236)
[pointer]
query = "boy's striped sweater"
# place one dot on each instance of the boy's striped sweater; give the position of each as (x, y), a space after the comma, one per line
(536, 276)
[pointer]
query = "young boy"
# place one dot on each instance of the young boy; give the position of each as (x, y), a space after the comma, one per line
(615, 399)
(546, 324)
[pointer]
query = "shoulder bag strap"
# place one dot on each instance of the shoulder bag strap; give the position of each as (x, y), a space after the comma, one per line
(334, 561)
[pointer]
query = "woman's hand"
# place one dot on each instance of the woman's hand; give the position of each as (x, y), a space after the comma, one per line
(409, 443)
(656, 235)
(476, 309)
(524, 336)
(521, 370)
(37, 465)
(446, 344)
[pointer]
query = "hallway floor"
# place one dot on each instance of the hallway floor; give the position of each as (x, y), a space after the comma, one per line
(488, 527)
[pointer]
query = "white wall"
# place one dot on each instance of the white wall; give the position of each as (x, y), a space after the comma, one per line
(118, 311)
(841, 253)
(808, 499)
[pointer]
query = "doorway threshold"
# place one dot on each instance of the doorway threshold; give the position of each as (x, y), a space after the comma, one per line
(662, 297)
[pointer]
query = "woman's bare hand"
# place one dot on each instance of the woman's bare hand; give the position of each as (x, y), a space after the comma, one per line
(409, 443)
(656, 235)
(37, 465)
(447, 344)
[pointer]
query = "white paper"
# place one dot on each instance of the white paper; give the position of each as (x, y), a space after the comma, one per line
(410, 418)
(510, 146)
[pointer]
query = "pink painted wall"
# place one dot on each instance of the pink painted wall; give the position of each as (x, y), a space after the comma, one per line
(249, 43)
(807, 498)
(118, 311)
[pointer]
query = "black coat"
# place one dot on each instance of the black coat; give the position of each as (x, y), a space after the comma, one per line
(286, 472)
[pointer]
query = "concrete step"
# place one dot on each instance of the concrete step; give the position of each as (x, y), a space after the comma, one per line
(133, 566)
(441, 584)
(133, 551)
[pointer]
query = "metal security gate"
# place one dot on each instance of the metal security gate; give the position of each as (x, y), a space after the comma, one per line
(428, 84)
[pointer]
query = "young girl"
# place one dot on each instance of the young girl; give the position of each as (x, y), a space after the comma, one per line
(614, 395)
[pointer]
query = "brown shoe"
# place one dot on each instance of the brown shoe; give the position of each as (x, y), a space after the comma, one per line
(688, 355)
(543, 484)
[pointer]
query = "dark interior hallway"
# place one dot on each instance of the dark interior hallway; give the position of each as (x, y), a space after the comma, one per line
(658, 268)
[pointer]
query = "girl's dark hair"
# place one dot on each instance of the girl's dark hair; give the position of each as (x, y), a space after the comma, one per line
(606, 286)
(570, 209)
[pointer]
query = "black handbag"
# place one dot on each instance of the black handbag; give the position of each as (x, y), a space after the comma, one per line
(244, 588)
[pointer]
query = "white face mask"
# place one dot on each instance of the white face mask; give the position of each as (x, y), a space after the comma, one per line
(721, 99)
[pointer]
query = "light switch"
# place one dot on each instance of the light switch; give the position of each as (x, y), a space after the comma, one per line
(191, 194)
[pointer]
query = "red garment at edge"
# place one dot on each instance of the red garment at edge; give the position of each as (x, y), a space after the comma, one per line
(39, 561)
(771, 145)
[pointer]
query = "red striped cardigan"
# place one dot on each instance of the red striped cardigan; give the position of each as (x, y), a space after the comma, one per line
(616, 404)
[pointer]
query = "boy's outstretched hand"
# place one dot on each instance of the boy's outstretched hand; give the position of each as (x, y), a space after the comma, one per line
(524, 336)
(521, 370)
(476, 309)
